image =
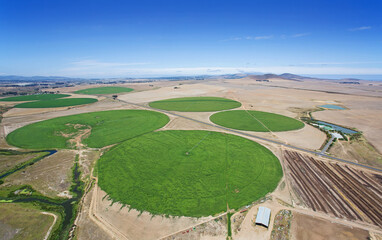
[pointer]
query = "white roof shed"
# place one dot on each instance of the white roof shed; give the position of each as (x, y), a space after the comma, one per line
(263, 216)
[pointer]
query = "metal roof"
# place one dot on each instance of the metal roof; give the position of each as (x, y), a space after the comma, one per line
(263, 216)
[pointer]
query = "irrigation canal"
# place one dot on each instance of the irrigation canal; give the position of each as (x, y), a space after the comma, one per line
(261, 138)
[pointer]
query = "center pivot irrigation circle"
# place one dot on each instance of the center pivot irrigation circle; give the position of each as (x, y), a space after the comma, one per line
(188, 173)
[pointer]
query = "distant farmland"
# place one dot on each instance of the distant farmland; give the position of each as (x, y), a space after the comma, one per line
(34, 97)
(106, 128)
(104, 90)
(66, 102)
(188, 173)
(195, 104)
(255, 121)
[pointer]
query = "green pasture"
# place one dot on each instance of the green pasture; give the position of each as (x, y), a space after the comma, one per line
(34, 97)
(107, 127)
(66, 102)
(188, 173)
(104, 90)
(256, 121)
(195, 104)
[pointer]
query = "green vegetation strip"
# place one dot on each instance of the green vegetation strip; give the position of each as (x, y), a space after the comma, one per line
(164, 173)
(66, 102)
(34, 97)
(195, 104)
(229, 227)
(255, 121)
(104, 90)
(107, 127)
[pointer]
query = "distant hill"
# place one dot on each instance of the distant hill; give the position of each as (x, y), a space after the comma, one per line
(287, 76)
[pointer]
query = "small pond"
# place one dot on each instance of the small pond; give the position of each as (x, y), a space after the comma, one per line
(337, 128)
(330, 106)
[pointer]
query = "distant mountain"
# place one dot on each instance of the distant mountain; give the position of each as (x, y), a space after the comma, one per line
(291, 76)
(287, 76)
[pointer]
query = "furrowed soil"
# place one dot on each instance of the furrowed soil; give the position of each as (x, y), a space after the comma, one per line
(335, 189)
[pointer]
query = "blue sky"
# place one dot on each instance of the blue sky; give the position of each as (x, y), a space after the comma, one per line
(102, 38)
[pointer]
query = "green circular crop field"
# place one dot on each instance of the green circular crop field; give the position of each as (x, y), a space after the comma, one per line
(104, 90)
(195, 104)
(65, 102)
(33, 97)
(106, 128)
(256, 121)
(188, 173)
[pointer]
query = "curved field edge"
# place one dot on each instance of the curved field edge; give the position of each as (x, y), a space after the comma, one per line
(257, 121)
(105, 128)
(188, 172)
(195, 104)
(34, 97)
(66, 102)
(104, 90)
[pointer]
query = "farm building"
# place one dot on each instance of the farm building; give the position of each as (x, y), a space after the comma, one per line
(263, 216)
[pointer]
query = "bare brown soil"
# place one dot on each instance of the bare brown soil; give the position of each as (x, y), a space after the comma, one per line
(312, 228)
(335, 189)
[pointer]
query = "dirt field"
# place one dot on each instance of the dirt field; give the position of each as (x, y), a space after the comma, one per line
(308, 227)
(50, 176)
(335, 189)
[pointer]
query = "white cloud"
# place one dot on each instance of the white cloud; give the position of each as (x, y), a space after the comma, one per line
(259, 37)
(249, 38)
(360, 28)
(300, 35)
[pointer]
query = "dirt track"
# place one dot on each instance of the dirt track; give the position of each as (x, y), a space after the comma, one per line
(335, 188)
